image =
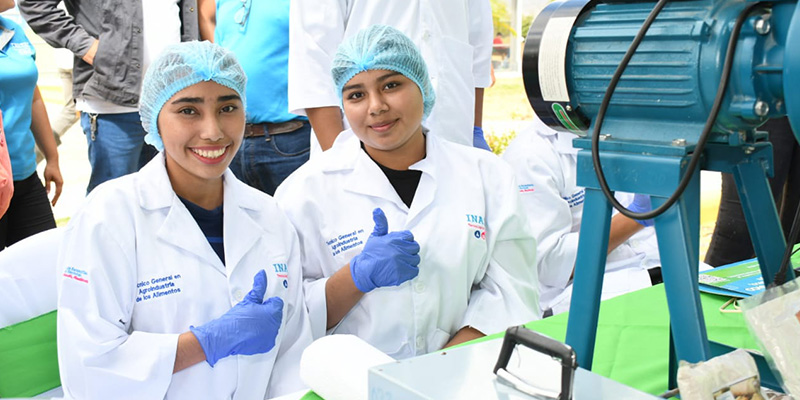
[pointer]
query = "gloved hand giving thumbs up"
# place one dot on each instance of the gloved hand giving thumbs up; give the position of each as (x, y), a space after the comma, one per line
(250, 327)
(388, 258)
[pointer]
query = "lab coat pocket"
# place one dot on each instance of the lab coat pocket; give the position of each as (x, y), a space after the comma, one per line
(455, 82)
(457, 57)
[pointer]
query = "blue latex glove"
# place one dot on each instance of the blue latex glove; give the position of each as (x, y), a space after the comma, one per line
(388, 259)
(250, 327)
(478, 140)
(641, 203)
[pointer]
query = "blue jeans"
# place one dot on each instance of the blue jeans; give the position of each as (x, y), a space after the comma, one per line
(264, 162)
(116, 145)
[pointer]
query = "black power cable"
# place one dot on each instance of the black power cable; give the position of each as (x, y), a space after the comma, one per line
(780, 276)
(695, 159)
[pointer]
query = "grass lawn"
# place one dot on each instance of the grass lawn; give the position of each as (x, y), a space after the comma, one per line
(506, 101)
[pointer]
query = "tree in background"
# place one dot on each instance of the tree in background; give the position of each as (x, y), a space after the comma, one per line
(501, 18)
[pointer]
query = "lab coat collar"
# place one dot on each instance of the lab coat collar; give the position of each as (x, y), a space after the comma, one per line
(156, 190)
(238, 223)
(343, 154)
(562, 141)
(179, 227)
(346, 154)
(365, 176)
(426, 190)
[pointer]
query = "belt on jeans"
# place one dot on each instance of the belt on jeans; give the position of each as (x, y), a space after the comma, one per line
(257, 130)
(655, 275)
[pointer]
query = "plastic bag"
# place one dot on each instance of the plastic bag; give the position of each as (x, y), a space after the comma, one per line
(731, 376)
(773, 317)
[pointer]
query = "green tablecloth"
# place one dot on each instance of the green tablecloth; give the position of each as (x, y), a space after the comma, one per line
(632, 344)
(28, 361)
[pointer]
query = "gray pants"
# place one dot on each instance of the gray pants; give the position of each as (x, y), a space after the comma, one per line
(67, 116)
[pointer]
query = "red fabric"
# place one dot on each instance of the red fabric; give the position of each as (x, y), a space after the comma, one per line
(6, 177)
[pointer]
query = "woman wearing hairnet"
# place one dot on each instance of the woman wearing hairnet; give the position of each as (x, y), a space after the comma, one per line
(408, 241)
(179, 281)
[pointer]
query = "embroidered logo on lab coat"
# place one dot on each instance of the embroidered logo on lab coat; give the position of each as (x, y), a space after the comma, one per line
(576, 199)
(282, 272)
(526, 188)
(158, 287)
(76, 274)
(346, 241)
(476, 226)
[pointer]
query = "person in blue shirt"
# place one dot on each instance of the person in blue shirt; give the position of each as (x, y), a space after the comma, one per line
(25, 121)
(276, 142)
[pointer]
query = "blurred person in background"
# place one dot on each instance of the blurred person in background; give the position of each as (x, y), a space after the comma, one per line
(68, 115)
(25, 122)
(730, 241)
(545, 164)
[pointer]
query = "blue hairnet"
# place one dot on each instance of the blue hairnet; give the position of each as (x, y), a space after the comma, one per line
(178, 67)
(382, 47)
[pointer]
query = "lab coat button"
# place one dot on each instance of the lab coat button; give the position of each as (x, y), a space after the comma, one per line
(420, 342)
(238, 295)
(419, 287)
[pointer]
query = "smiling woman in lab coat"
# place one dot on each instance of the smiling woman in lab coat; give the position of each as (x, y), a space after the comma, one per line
(445, 256)
(157, 265)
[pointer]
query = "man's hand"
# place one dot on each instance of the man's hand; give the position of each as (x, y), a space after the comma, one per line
(89, 56)
(52, 174)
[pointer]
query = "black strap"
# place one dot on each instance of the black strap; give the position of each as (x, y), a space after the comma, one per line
(780, 277)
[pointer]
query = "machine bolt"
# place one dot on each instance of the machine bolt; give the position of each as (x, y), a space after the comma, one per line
(749, 150)
(679, 142)
(605, 137)
(568, 107)
(763, 25)
(761, 108)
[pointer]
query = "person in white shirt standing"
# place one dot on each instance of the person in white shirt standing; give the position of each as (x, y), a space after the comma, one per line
(454, 37)
(113, 42)
(545, 164)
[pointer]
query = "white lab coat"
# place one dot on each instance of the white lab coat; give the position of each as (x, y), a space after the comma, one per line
(454, 37)
(477, 255)
(132, 236)
(545, 164)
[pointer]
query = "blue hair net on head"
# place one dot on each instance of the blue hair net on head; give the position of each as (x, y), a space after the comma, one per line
(178, 67)
(382, 47)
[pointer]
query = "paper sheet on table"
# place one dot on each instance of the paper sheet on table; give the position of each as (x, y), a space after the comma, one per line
(335, 367)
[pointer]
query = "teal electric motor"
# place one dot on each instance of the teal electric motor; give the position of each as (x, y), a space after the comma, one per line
(657, 91)
(574, 47)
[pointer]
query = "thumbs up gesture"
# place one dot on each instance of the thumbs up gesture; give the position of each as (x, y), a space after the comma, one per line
(250, 327)
(388, 258)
